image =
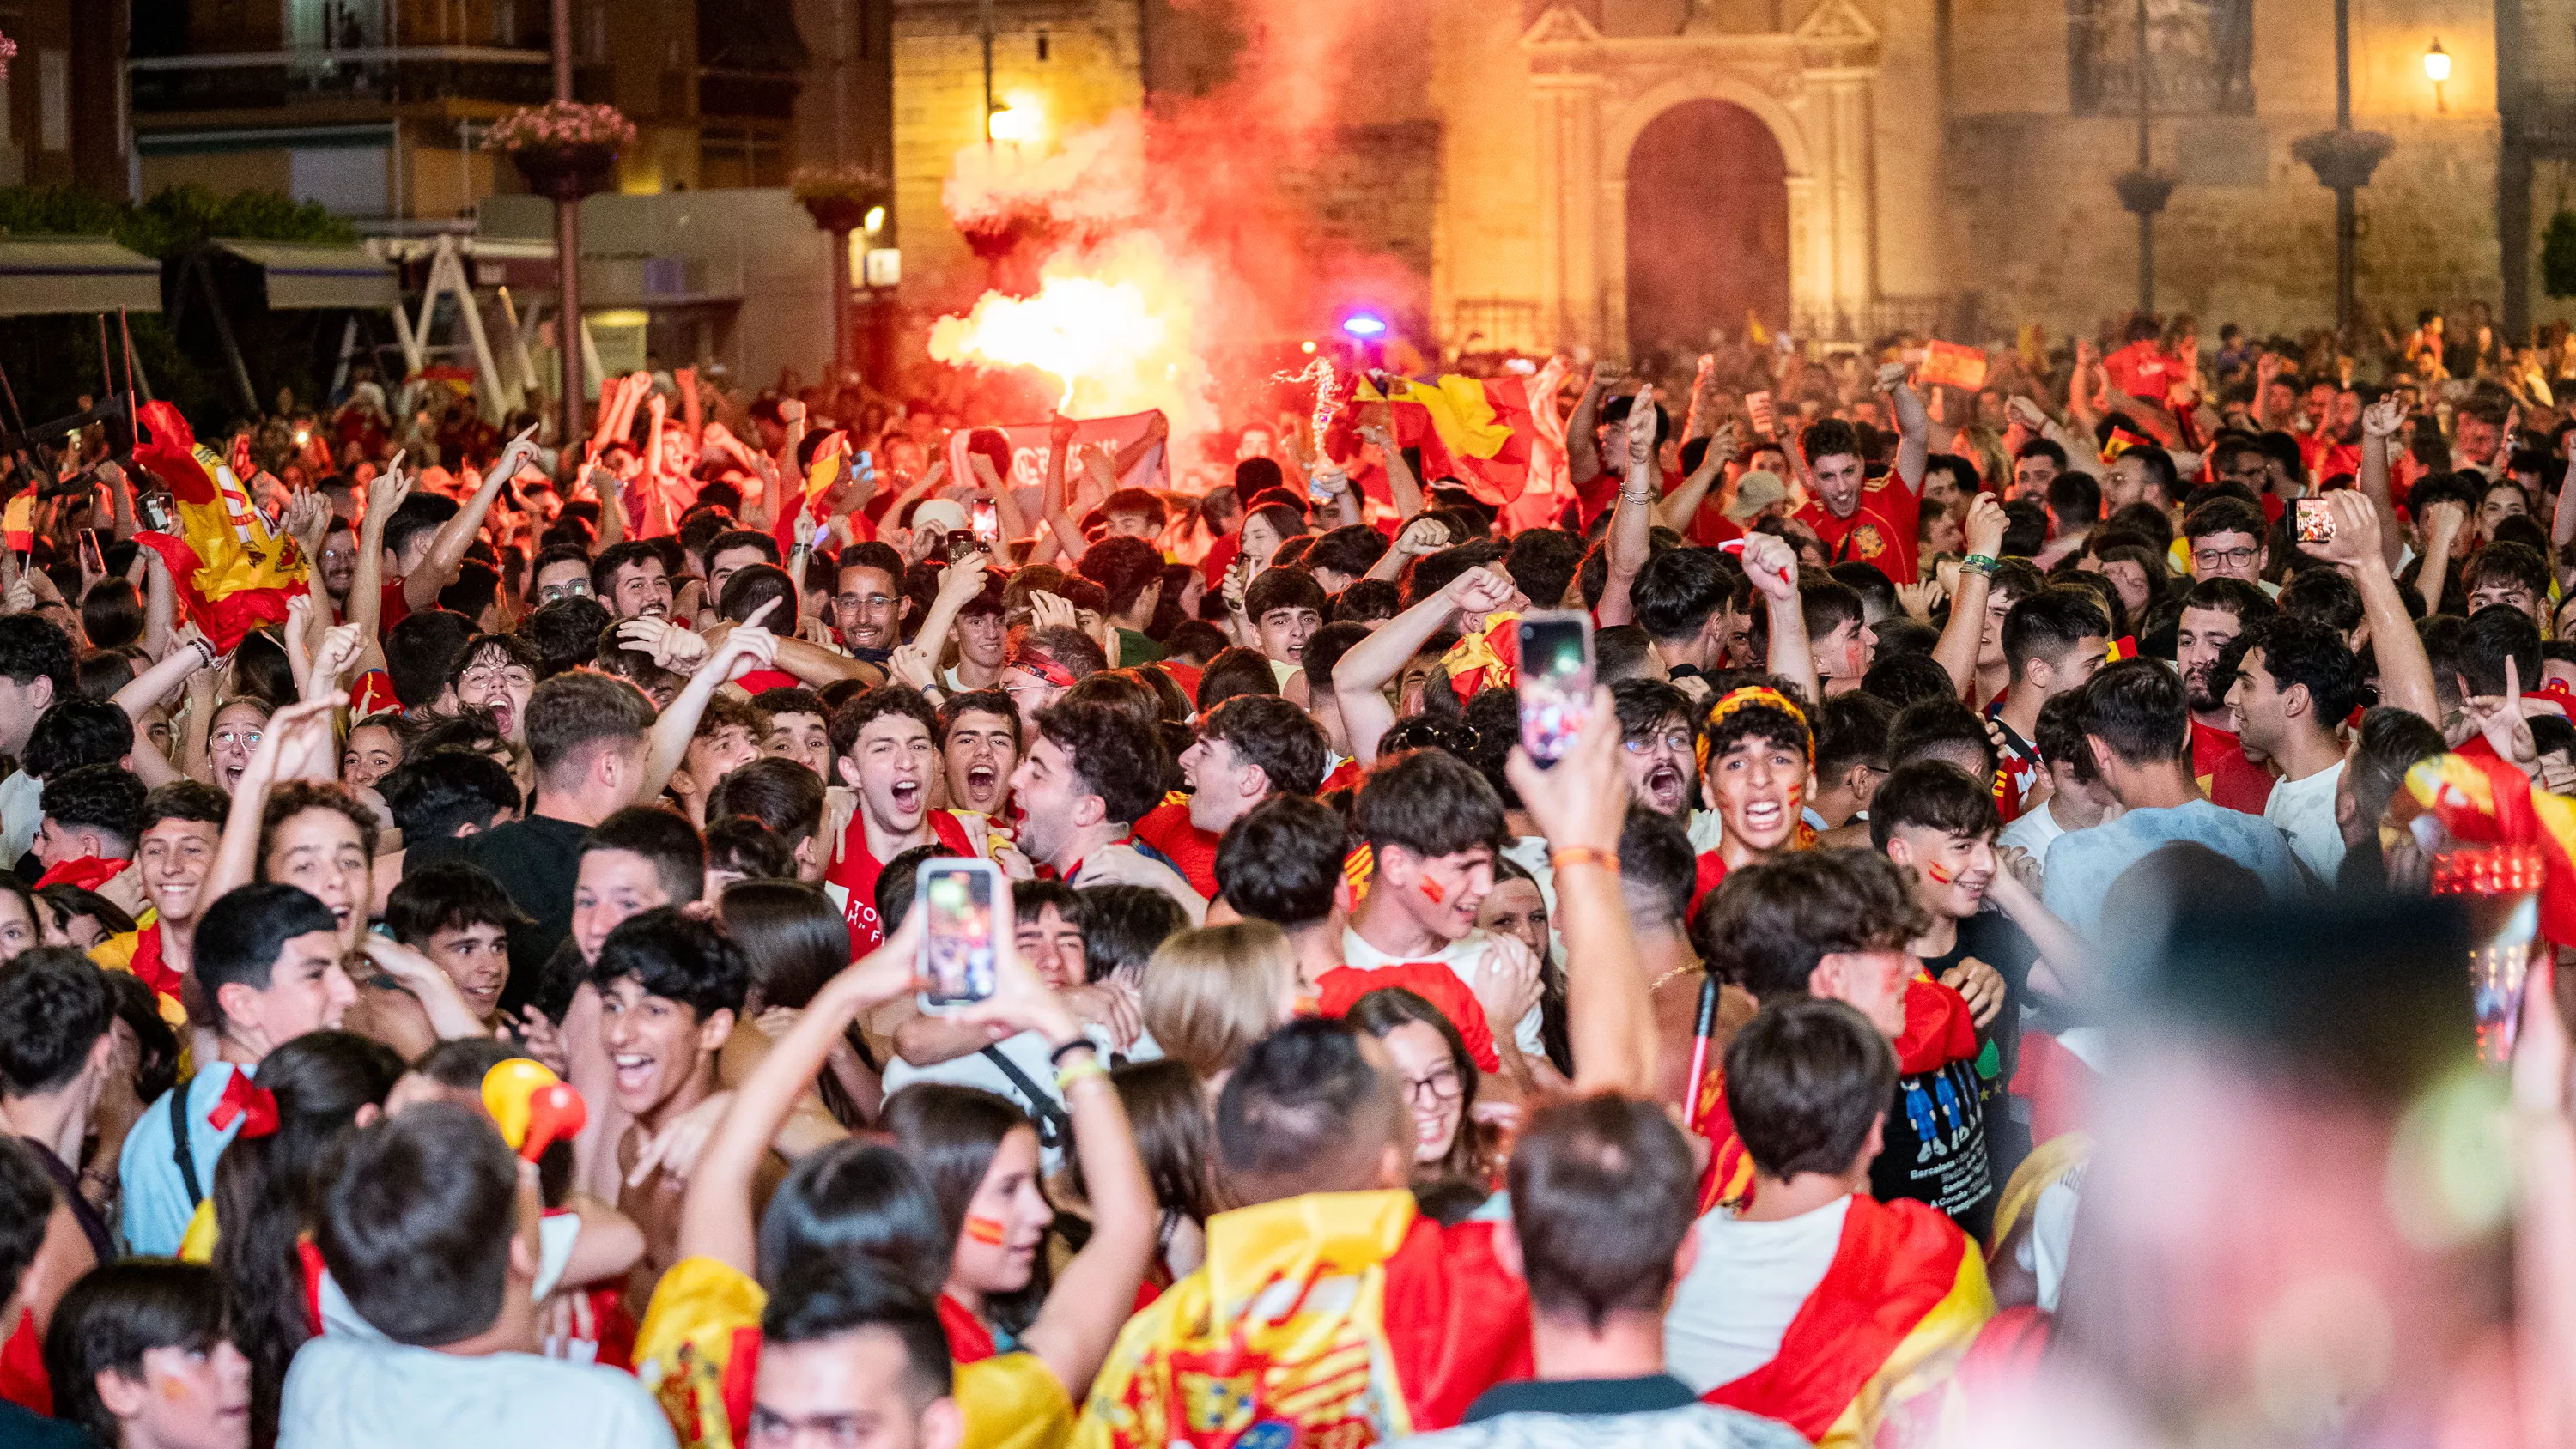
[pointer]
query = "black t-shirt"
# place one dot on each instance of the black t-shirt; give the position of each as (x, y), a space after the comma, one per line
(1991, 937)
(1652, 1393)
(537, 860)
(1935, 1148)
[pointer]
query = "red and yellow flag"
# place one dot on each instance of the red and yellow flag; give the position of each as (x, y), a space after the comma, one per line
(1487, 659)
(1895, 1313)
(1475, 429)
(2482, 799)
(1948, 364)
(235, 572)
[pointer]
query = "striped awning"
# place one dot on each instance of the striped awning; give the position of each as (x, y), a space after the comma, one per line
(303, 276)
(40, 275)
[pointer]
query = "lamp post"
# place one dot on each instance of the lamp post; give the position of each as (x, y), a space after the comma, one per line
(567, 251)
(2344, 159)
(2144, 190)
(2437, 69)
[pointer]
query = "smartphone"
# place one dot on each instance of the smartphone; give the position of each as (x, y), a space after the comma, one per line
(961, 543)
(1555, 680)
(2315, 519)
(866, 466)
(986, 517)
(960, 893)
(157, 513)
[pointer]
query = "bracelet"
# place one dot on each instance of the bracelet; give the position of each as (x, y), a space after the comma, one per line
(1584, 855)
(205, 651)
(1066, 1077)
(1981, 564)
(1056, 1058)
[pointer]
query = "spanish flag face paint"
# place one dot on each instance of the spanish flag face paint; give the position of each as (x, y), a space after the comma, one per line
(988, 1231)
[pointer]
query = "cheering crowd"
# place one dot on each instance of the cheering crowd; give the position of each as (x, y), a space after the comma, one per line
(1959, 747)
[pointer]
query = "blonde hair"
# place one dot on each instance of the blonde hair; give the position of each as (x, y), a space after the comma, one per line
(1212, 991)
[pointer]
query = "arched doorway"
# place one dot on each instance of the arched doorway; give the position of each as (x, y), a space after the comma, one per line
(1708, 227)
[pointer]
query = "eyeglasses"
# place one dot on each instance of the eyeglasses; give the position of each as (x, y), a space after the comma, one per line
(1442, 1084)
(484, 676)
(574, 589)
(849, 602)
(238, 739)
(2232, 557)
(1678, 741)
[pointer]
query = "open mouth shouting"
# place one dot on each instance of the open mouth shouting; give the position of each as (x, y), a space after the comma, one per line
(637, 1079)
(983, 786)
(1666, 788)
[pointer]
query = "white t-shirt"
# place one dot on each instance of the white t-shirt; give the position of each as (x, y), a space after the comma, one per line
(343, 1390)
(1751, 1279)
(2305, 811)
(1473, 958)
(2033, 831)
(1028, 1052)
(22, 809)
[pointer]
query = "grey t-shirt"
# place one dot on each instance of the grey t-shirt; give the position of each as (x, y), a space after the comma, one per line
(344, 1390)
(2083, 863)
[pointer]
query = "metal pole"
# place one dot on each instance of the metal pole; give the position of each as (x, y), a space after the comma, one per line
(840, 304)
(567, 258)
(985, 11)
(2146, 219)
(2347, 222)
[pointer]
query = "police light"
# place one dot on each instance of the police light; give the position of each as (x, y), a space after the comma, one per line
(1364, 324)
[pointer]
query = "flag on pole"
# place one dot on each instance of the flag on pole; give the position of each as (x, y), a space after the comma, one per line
(1475, 429)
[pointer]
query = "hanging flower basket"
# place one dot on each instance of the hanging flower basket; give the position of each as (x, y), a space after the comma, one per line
(838, 197)
(566, 149)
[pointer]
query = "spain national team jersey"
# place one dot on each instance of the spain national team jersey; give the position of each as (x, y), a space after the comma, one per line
(1880, 531)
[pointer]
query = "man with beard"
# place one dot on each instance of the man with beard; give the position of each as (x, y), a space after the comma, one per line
(2213, 614)
(882, 746)
(631, 579)
(979, 747)
(866, 600)
(2334, 445)
(1872, 522)
(339, 563)
(1655, 745)
(1088, 777)
(1249, 748)
(2291, 694)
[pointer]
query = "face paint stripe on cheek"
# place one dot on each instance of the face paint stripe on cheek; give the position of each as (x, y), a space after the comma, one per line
(1432, 891)
(988, 1231)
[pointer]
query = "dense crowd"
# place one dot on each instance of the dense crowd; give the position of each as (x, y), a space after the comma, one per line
(1736, 1078)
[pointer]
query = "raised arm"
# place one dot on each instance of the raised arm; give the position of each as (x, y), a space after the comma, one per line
(1684, 503)
(2405, 671)
(298, 744)
(1580, 804)
(1401, 485)
(421, 588)
(1059, 507)
(716, 1211)
(1582, 449)
(1956, 650)
(1913, 425)
(150, 688)
(160, 603)
(1632, 520)
(2379, 424)
(385, 493)
(1420, 538)
(746, 645)
(612, 510)
(1773, 567)
(1359, 680)
(2442, 523)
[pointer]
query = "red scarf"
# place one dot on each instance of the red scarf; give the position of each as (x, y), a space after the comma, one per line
(89, 872)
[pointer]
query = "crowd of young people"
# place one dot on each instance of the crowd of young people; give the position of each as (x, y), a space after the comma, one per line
(1349, 1074)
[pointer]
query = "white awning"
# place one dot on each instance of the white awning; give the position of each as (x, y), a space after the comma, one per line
(304, 276)
(54, 274)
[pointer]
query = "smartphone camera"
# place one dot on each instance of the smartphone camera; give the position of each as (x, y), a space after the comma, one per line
(958, 946)
(1555, 680)
(2315, 519)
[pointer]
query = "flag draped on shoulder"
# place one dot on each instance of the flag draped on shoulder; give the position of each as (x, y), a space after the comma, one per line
(1478, 430)
(234, 570)
(2482, 799)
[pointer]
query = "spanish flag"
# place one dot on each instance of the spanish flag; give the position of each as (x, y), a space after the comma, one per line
(2122, 439)
(1896, 1312)
(2482, 799)
(1475, 429)
(1487, 659)
(235, 572)
(1337, 1319)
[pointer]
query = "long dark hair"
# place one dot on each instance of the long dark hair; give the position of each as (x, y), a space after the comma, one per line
(1168, 1110)
(856, 1205)
(952, 1134)
(268, 1193)
(797, 943)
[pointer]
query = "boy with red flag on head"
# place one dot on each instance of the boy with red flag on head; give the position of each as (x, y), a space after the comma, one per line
(1813, 1303)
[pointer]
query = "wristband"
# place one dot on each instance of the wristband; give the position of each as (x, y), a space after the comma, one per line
(1573, 855)
(1066, 1077)
(1981, 564)
(205, 651)
(1056, 1058)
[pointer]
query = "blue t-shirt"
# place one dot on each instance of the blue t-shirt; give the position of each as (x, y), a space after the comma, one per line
(2083, 863)
(157, 1204)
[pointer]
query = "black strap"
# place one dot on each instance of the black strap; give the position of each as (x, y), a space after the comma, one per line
(1055, 1129)
(180, 1152)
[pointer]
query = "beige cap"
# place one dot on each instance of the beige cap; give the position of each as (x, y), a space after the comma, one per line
(1755, 491)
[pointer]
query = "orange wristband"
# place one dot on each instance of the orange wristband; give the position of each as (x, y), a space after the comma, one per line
(1584, 855)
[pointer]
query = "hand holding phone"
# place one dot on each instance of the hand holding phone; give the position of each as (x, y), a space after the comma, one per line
(985, 517)
(959, 896)
(1555, 680)
(2315, 517)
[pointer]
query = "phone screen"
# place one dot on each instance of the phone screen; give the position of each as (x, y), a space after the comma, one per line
(2315, 519)
(1555, 681)
(987, 519)
(957, 948)
(867, 464)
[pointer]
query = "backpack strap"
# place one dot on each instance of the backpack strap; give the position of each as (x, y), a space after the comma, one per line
(180, 1152)
(1055, 1129)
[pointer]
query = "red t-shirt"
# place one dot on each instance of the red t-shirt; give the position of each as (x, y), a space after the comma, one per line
(1338, 990)
(1345, 776)
(1167, 828)
(394, 609)
(858, 871)
(2228, 778)
(760, 679)
(2143, 371)
(1220, 557)
(1880, 531)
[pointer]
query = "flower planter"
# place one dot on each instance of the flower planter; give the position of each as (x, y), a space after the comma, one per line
(836, 213)
(566, 173)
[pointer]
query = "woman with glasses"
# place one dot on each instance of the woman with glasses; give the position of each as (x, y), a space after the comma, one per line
(1451, 1149)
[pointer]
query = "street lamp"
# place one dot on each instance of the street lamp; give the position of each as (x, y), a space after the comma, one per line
(2437, 69)
(2344, 158)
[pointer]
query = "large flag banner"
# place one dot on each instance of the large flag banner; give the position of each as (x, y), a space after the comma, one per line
(235, 572)
(1029, 443)
(1947, 364)
(1478, 430)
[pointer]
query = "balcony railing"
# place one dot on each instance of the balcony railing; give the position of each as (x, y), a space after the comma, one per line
(386, 75)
